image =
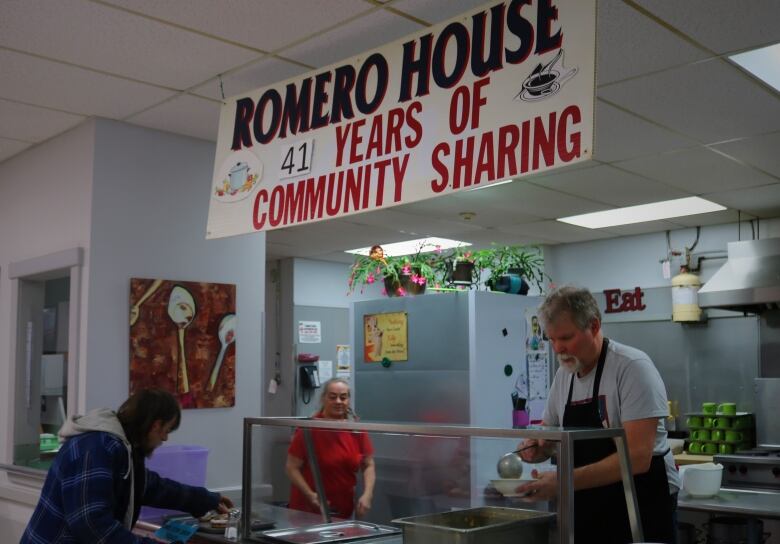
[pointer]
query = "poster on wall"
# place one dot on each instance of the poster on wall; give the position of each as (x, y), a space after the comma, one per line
(502, 91)
(537, 358)
(385, 336)
(183, 340)
(309, 332)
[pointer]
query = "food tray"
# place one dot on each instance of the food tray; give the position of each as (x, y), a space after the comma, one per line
(344, 531)
(493, 525)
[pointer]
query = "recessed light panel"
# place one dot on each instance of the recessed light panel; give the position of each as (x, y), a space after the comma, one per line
(680, 207)
(423, 245)
(763, 63)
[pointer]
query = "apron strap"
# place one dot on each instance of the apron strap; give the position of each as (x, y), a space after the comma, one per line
(597, 380)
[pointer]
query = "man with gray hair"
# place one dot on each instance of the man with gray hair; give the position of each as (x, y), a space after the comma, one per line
(602, 383)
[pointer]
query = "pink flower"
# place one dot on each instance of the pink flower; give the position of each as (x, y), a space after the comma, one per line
(401, 292)
(370, 278)
(419, 280)
(437, 250)
(407, 269)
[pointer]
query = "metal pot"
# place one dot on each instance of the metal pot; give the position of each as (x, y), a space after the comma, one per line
(736, 530)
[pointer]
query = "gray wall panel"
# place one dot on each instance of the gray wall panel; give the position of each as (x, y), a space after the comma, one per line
(713, 361)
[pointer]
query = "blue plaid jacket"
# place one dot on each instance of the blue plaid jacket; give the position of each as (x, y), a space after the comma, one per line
(87, 491)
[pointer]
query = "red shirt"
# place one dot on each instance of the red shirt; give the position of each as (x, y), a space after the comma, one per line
(339, 455)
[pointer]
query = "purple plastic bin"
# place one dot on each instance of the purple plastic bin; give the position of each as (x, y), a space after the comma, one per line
(185, 464)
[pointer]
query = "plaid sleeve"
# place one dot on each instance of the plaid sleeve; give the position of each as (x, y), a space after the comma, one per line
(88, 495)
(164, 493)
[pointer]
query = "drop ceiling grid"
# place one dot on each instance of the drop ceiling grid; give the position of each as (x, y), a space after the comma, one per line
(402, 220)
(761, 201)
(698, 171)
(607, 184)
(749, 24)
(83, 92)
(262, 73)
(116, 42)
(555, 231)
(261, 24)
(621, 135)
(184, 114)
(710, 101)
(9, 148)
(369, 32)
(759, 151)
(32, 124)
(630, 44)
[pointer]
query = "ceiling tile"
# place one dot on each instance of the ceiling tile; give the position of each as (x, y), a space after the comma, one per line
(436, 11)
(487, 237)
(365, 34)
(711, 101)
(262, 73)
(261, 24)
(621, 135)
(641, 228)
(610, 185)
(759, 151)
(760, 201)
(54, 85)
(722, 25)
(527, 199)
(698, 170)
(631, 44)
(116, 42)
(556, 231)
(9, 148)
(185, 114)
(703, 219)
(32, 124)
(412, 223)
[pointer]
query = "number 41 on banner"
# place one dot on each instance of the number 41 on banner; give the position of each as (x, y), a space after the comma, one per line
(296, 158)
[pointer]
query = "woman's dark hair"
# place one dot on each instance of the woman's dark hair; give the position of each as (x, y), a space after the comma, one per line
(138, 413)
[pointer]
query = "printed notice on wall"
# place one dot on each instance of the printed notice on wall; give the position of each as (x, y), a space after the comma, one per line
(309, 332)
(385, 337)
(537, 357)
(325, 369)
(343, 356)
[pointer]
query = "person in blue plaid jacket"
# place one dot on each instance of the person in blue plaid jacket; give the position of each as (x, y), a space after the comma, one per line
(98, 481)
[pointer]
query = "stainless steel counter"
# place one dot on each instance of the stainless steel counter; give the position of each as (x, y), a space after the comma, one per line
(732, 501)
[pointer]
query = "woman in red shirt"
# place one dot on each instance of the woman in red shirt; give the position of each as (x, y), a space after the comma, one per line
(340, 454)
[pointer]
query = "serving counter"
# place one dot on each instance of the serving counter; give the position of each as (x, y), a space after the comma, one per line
(432, 468)
(742, 502)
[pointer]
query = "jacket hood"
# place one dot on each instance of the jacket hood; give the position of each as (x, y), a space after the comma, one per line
(101, 419)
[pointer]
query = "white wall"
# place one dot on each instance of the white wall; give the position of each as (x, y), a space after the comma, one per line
(631, 261)
(149, 211)
(323, 283)
(44, 208)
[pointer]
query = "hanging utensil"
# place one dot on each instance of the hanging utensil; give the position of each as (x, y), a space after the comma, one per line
(181, 310)
(135, 311)
(227, 335)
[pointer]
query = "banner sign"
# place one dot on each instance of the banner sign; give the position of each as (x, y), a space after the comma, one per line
(497, 93)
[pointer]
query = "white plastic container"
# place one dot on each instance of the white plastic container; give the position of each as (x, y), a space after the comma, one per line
(702, 480)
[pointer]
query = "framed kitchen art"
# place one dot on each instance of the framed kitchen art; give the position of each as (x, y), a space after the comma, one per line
(183, 340)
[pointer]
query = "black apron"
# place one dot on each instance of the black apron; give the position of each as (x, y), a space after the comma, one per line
(600, 513)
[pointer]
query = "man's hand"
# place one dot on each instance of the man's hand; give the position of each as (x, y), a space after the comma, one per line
(543, 488)
(536, 450)
(225, 504)
(363, 505)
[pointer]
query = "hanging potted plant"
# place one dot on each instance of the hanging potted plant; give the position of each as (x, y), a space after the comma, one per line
(404, 275)
(514, 268)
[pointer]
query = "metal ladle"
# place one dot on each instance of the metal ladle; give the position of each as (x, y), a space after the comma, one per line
(510, 465)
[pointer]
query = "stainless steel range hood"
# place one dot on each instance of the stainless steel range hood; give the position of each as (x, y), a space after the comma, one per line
(750, 279)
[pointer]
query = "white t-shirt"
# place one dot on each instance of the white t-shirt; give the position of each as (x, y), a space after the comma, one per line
(631, 388)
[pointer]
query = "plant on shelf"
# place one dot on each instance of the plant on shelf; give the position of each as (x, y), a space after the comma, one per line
(512, 266)
(456, 266)
(407, 274)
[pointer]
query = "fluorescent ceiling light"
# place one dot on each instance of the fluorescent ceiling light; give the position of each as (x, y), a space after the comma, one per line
(489, 185)
(645, 212)
(763, 63)
(408, 247)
